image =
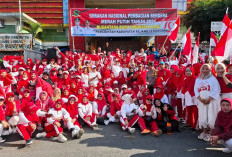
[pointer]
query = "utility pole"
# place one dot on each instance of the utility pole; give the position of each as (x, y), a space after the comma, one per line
(20, 17)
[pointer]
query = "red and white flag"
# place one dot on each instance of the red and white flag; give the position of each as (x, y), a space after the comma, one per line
(43, 86)
(175, 30)
(225, 23)
(194, 56)
(187, 45)
(213, 40)
(224, 47)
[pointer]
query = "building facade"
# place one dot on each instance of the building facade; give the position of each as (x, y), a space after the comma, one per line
(54, 17)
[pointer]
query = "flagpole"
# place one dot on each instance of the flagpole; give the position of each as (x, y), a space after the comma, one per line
(175, 50)
(209, 52)
(165, 41)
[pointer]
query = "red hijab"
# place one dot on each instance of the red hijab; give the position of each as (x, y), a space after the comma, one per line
(101, 103)
(66, 96)
(189, 83)
(80, 96)
(178, 81)
(85, 96)
(62, 103)
(53, 77)
(121, 79)
(148, 105)
(73, 90)
(223, 123)
(159, 95)
(91, 94)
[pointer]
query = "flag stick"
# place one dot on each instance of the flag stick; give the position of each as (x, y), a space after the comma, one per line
(209, 52)
(175, 50)
(165, 41)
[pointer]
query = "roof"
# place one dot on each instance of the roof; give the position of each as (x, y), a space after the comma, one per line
(15, 16)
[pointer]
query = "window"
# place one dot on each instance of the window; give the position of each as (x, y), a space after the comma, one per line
(181, 5)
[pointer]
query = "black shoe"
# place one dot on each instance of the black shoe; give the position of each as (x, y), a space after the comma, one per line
(28, 142)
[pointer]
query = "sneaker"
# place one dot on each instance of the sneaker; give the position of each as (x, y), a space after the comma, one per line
(61, 138)
(80, 133)
(227, 150)
(131, 130)
(94, 124)
(2, 140)
(201, 136)
(156, 133)
(145, 131)
(40, 135)
(7, 132)
(220, 142)
(106, 122)
(74, 133)
(207, 138)
(123, 128)
(28, 142)
(116, 120)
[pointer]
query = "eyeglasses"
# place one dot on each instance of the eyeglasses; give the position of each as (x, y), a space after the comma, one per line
(149, 99)
(99, 95)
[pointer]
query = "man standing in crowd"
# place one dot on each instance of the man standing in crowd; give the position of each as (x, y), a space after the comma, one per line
(151, 77)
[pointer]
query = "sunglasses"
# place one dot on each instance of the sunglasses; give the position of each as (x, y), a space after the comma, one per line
(149, 99)
(1, 99)
(99, 95)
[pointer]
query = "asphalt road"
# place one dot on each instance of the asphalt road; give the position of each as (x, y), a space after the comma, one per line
(111, 141)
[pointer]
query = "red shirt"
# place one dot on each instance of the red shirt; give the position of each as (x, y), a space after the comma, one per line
(141, 79)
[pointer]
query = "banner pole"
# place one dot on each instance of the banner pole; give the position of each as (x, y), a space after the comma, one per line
(73, 44)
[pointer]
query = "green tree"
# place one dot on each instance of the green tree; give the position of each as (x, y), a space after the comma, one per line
(201, 13)
(33, 28)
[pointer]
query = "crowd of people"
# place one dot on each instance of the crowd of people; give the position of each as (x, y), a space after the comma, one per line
(153, 90)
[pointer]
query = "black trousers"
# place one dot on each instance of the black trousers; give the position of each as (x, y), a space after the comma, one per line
(163, 125)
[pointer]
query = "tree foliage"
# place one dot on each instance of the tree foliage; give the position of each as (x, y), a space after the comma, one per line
(201, 13)
(33, 28)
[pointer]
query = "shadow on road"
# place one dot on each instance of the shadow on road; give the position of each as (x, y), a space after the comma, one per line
(183, 144)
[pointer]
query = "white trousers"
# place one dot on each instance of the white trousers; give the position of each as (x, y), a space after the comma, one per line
(1, 129)
(208, 113)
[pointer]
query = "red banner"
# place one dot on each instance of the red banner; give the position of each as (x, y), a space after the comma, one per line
(122, 22)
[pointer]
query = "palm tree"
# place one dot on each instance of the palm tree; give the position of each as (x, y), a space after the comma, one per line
(33, 28)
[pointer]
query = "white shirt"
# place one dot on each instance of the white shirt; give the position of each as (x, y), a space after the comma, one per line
(85, 79)
(209, 85)
(57, 114)
(126, 109)
(147, 113)
(125, 71)
(92, 75)
(85, 110)
(77, 30)
(116, 69)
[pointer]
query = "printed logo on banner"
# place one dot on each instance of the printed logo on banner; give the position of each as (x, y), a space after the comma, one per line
(122, 22)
